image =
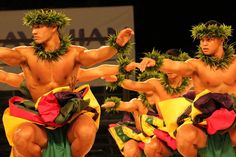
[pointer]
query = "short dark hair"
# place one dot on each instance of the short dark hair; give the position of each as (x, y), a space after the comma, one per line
(212, 22)
(173, 52)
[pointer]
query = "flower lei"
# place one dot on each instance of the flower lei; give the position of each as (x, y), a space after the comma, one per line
(221, 63)
(52, 55)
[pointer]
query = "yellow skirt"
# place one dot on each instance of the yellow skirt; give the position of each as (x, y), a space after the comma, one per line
(11, 122)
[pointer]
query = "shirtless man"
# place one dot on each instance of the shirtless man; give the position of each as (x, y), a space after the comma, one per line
(51, 61)
(154, 91)
(214, 69)
(82, 75)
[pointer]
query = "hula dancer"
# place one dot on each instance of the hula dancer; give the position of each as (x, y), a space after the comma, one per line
(153, 87)
(50, 61)
(212, 71)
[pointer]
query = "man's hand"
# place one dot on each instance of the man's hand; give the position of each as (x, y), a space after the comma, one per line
(146, 62)
(110, 78)
(124, 36)
(131, 66)
(108, 104)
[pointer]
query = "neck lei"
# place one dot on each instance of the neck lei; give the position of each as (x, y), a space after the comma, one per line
(171, 90)
(145, 101)
(52, 55)
(221, 63)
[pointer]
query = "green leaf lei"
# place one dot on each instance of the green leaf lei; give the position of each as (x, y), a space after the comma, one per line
(147, 74)
(52, 55)
(157, 56)
(122, 60)
(171, 90)
(201, 30)
(221, 63)
(113, 85)
(151, 72)
(143, 97)
(114, 99)
(111, 41)
(47, 17)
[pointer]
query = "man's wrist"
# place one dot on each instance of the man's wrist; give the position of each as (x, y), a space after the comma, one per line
(114, 99)
(120, 49)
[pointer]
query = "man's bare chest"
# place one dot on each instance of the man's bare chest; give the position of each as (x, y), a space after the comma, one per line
(43, 71)
(217, 76)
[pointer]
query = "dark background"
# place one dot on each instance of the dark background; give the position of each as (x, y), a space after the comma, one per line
(159, 24)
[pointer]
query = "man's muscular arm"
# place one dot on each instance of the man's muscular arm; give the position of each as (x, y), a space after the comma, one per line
(137, 86)
(94, 56)
(185, 69)
(182, 68)
(103, 70)
(11, 79)
(11, 56)
(129, 106)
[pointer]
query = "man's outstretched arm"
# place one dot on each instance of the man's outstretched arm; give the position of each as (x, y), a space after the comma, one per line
(103, 70)
(183, 68)
(11, 56)
(11, 79)
(94, 56)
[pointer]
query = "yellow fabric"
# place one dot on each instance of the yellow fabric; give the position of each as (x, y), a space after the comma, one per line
(128, 133)
(93, 103)
(11, 155)
(117, 139)
(148, 128)
(171, 109)
(133, 135)
(11, 123)
(89, 95)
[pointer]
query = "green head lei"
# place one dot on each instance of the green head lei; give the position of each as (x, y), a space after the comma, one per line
(211, 30)
(47, 17)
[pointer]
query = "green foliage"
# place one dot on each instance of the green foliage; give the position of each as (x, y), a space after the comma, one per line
(171, 90)
(145, 101)
(47, 17)
(114, 99)
(122, 50)
(219, 63)
(201, 30)
(52, 55)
